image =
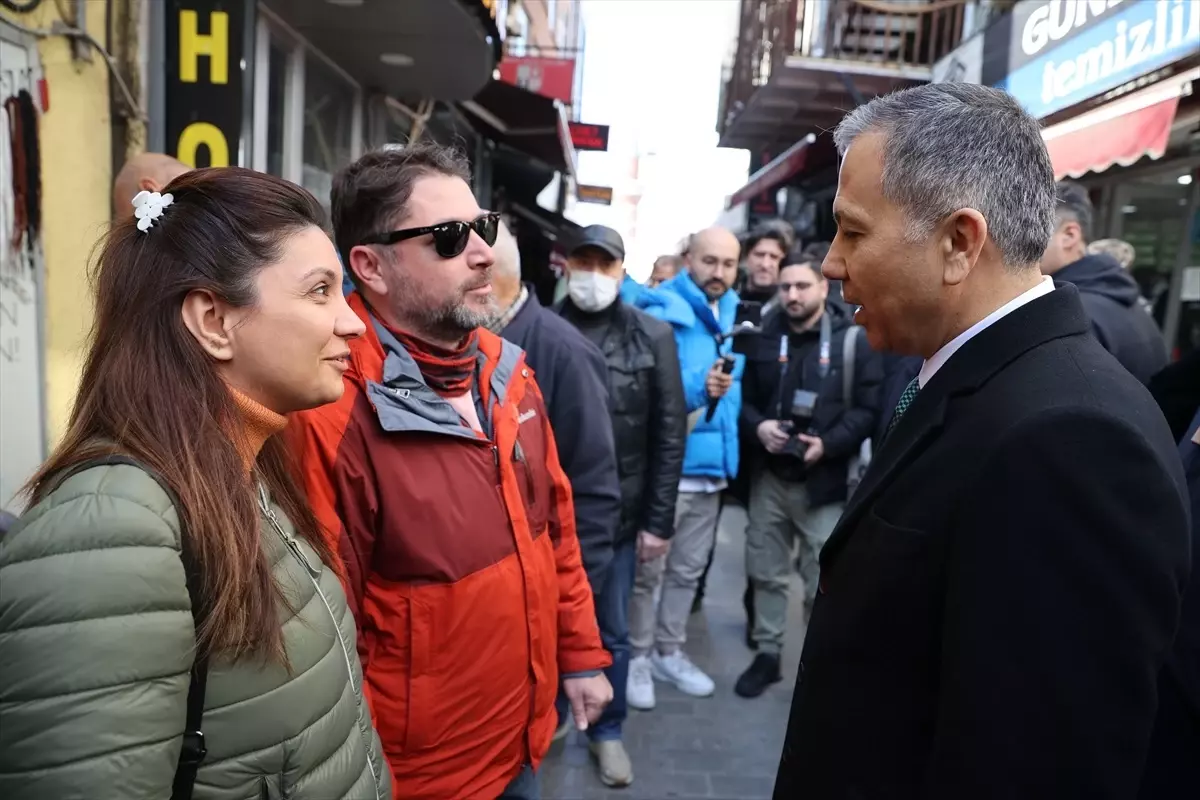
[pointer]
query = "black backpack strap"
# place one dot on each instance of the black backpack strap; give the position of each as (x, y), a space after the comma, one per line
(194, 750)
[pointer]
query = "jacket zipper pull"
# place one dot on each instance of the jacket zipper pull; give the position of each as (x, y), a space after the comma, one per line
(288, 539)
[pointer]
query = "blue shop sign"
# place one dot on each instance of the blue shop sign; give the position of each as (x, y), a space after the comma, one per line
(1129, 39)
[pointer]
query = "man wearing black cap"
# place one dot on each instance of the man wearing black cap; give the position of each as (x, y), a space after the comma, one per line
(649, 428)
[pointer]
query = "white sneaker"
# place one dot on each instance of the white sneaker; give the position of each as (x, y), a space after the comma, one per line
(678, 669)
(639, 688)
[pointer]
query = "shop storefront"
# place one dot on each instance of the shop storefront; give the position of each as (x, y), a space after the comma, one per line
(300, 89)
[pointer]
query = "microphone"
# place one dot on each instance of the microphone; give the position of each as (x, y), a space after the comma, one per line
(747, 321)
(727, 364)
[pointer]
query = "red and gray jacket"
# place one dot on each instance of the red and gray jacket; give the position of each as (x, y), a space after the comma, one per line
(462, 562)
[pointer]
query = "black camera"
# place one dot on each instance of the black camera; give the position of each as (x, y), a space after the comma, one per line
(803, 408)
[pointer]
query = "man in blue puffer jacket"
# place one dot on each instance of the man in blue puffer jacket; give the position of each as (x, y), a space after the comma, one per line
(700, 305)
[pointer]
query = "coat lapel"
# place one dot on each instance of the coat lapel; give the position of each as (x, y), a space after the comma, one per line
(1051, 316)
(920, 424)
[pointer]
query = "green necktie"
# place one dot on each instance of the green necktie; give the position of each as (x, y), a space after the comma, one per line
(910, 394)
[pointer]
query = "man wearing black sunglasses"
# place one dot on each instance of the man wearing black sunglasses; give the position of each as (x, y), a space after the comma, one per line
(439, 468)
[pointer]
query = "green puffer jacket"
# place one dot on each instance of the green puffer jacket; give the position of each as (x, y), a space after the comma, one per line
(96, 641)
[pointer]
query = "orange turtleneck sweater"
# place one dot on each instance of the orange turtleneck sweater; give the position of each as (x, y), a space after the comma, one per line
(259, 423)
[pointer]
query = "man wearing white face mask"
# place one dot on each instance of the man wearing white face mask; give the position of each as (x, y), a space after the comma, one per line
(649, 427)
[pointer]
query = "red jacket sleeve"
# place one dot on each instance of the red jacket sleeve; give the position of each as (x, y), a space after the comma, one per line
(579, 648)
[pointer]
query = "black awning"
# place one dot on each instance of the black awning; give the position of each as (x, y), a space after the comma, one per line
(520, 175)
(410, 49)
(525, 121)
(556, 225)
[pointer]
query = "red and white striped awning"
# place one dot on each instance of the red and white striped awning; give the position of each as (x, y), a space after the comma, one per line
(1120, 132)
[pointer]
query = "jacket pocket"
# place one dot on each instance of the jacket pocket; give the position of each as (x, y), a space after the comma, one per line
(424, 725)
(895, 566)
(392, 639)
(533, 477)
(628, 382)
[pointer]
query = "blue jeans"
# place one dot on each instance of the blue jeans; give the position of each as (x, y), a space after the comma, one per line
(612, 614)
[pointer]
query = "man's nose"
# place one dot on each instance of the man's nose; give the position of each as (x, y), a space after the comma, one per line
(481, 256)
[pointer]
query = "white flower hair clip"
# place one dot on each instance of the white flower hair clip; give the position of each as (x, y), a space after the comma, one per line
(148, 206)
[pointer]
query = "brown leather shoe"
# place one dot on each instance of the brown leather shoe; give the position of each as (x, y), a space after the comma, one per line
(612, 762)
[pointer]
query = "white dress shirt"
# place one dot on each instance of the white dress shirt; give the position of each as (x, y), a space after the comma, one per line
(932, 365)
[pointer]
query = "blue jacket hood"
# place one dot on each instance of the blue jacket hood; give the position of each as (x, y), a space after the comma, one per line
(683, 287)
(668, 307)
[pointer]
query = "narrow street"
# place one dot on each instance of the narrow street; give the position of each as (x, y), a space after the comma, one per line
(721, 747)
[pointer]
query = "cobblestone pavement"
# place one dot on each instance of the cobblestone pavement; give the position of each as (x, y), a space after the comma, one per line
(721, 747)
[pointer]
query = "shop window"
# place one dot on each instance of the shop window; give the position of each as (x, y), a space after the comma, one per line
(328, 127)
(1154, 222)
(276, 119)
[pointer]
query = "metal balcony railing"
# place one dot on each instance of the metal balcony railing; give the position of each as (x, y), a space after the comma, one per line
(910, 32)
(886, 32)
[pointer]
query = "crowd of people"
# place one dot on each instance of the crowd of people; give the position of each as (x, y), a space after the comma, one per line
(394, 541)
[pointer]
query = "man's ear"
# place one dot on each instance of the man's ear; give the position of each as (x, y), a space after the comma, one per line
(1072, 232)
(149, 184)
(367, 264)
(205, 317)
(963, 235)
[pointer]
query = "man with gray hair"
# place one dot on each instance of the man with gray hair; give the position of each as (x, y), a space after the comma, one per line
(999, 596)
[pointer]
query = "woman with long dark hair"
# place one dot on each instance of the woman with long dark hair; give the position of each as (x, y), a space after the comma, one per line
(172, 621)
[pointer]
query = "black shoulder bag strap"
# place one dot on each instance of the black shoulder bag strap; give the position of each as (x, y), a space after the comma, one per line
(194, 749)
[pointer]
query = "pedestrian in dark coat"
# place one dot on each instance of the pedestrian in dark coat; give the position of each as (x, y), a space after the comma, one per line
(1109, 294)
(574, 380)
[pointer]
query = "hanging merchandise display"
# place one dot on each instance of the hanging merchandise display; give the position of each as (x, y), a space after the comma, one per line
(21, 114)
(22, 417)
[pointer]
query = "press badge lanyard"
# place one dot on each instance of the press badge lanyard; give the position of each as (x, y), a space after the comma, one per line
(823, 349)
